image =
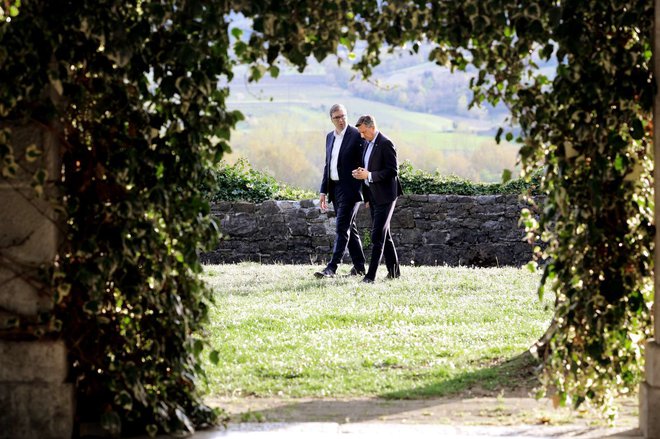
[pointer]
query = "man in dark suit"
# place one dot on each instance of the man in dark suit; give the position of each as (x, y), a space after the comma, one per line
(343, 153)
(379, 172)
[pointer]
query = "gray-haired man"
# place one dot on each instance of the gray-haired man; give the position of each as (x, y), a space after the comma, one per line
(379, 172)
(343, 153)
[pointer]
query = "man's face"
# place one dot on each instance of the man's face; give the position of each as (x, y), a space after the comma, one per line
(367, 133)
(339, 120)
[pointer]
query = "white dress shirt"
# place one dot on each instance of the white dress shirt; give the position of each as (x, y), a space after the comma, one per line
(334, 157)
(367, 155)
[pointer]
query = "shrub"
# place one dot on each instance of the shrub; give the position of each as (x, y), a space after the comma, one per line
(241, 182)
(416, 181)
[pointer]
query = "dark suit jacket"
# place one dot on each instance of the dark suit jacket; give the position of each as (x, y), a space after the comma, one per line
(350, 157)
(385, 186)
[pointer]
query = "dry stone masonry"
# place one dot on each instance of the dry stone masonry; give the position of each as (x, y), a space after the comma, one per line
(36, 400)
(427, 230)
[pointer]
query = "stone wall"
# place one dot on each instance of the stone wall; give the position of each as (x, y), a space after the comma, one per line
(36, 401)
(427, 230)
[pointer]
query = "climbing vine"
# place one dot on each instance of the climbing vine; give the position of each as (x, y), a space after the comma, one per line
(135, 94)
(576, 76)
(130, 90)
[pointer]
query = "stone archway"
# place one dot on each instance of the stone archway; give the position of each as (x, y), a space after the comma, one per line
(649, 391)
(36, 401)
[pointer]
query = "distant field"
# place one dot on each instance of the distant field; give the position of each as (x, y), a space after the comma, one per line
(312, 99)
(286, 122)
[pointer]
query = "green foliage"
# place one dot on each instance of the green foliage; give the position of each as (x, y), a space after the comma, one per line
(286, 192)
(416, 181)
(241, 181)
(586, 125)
(591, 134)
(131, 91)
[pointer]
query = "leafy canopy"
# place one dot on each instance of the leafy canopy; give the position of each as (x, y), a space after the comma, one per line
(134, 91)
(587, 125)
(130, 89)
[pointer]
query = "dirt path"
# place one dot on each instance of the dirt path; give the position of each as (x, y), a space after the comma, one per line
(465, 410)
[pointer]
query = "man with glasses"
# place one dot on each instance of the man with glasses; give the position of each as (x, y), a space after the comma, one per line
(343, 153)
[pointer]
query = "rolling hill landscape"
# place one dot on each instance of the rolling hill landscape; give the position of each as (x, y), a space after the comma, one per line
(421, 106)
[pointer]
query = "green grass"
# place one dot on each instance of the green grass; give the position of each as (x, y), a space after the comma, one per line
(301, 112)
(436, 331)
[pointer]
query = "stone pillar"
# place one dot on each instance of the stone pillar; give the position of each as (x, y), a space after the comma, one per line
(35, 400)
(649, 392)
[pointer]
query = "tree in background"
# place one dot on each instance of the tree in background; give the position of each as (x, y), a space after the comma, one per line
(131, 89)
(288, 153)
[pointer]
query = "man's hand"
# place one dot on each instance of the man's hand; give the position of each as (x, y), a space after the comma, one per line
(360, 173)
(324, 204)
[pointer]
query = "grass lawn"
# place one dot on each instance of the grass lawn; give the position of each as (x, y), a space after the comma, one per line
(436, 331)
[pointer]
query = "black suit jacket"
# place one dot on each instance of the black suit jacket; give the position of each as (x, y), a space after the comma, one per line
(350, 157)
(384, 167)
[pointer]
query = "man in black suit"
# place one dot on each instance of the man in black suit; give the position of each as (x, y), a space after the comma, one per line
(343, 153)
(379, 172)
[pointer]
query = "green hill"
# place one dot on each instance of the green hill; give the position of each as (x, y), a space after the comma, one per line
(287, 119)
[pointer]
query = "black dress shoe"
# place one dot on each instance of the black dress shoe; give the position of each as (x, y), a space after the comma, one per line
(356, 272)
(326, 272)
(367, 280)
(394, 273)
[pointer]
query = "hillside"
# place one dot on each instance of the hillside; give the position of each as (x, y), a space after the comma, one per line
(286, 119)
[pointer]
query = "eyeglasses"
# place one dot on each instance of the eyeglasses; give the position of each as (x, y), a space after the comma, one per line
(343, 116)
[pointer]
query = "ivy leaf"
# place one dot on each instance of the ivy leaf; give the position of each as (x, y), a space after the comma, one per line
(38, 181)
(91, 307)
(257, 72)
(214, 356)
(547, 51)
(618, 163)
(123, 399)
(152, 430)
(506, 175)
(10, 169)
(236, 33)
(32, 153)
(198, 346)
(498, 136)
(63, 290)
(637, 130)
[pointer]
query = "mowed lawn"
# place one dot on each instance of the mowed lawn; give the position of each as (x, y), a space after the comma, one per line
(436, 331)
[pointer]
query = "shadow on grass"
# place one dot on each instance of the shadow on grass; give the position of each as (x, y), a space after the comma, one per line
(517, 375)
(493, 395)
(301, 287)
(514, 378)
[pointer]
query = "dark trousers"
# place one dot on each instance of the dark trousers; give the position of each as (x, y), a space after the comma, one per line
(381, 240)
(346, 231)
